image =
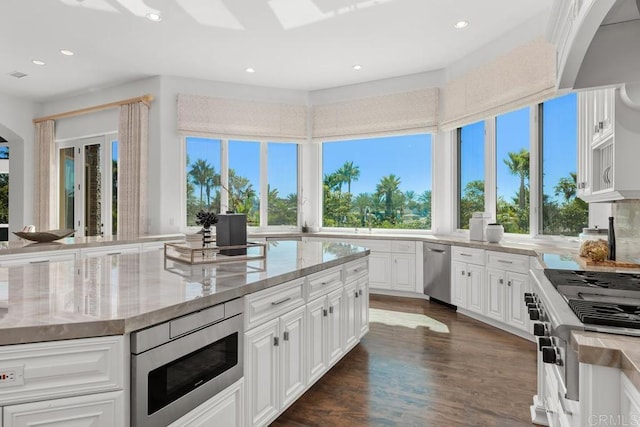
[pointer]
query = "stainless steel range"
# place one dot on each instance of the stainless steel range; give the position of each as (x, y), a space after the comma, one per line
(566, 300)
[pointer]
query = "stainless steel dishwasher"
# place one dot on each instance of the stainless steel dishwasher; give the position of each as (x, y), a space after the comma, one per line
(437, 271)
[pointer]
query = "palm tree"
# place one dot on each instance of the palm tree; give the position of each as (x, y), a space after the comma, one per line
(348, 173)
(387, 186)
(518, 164)
(200, 173)
(567, 186)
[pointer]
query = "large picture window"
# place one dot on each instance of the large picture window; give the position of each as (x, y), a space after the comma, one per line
(377, 182)
(512, 170)
(470, 172)
(562, 212)
(223, 175)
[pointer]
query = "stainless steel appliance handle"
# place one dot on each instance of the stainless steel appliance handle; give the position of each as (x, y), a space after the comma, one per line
(438, 251)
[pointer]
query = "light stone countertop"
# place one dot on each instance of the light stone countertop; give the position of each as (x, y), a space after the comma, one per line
(115, 295)
(609, 350)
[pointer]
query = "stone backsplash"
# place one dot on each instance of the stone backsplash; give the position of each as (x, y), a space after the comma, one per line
(627, 227)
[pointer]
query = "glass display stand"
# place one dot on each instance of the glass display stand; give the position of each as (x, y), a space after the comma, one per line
(194, 253)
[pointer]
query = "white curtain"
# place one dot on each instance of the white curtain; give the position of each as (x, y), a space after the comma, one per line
(235, 118)
(406, 112)
(524, 76)
(133, 135)
(44, 184)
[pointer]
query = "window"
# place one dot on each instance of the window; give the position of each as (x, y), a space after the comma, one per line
(562, 212)
(512, 170)
(377, 182)
(470, 172)
(4, 189)
(233, 181)
(283, 184)
(243, 188)
(203, 176)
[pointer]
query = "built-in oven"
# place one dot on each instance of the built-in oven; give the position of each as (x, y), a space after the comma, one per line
(179, 364)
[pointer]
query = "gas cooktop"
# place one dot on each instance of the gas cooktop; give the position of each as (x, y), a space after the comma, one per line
(600, 298)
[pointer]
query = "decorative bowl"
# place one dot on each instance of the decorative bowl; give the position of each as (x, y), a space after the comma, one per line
(44, 236)
(494, 232)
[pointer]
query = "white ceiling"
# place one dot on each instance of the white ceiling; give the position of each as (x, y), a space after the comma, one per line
(293, 44)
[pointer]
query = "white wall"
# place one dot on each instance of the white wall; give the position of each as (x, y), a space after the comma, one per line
(16, 127)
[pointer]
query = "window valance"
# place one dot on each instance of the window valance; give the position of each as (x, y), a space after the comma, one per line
(524, 76)
(408, 112)
(235, 118)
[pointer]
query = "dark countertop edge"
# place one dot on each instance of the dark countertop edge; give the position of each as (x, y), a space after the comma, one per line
(101, 328)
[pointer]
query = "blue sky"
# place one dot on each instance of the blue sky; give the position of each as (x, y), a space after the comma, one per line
(408, 157)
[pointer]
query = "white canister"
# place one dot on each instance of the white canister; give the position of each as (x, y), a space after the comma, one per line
(494, 232)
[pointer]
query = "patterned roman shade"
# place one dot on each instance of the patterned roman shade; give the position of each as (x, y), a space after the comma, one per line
(234, 118)
(408, 112)
(524, 76)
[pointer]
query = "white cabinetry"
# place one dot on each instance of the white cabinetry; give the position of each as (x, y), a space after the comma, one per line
(296, 331)
(607, 148)
(37, 257)
(223, 409)
(274, 351)
(467, 279)
(99, 410)
(109, 250)
(393, 265)
(507, 281)
(629, 400)
(65, 382)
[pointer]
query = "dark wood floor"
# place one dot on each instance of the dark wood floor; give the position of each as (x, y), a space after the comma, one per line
(475, 375)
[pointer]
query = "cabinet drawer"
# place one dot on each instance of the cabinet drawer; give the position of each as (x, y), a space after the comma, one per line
(403, 247)
(509, 262)
(323, 282)
(355, 269)
(109, 250)
(40, 257)
(271, 303)
(62, 368)
(471, 255)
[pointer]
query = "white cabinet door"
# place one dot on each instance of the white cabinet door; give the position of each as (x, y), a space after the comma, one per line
(585, 124)
(351, 314)
(403, 272)
(334, 327)
(629, 399)
(380, 270)
(517, 313)
(99, 410)
(224, 409)
(37, 258)
(496, 294)
(292, 370)
(476, 288)
(316, 339)
(459, 284)
(363, 306)
(261, 372)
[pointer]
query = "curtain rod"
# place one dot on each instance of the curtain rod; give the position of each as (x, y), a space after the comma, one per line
(146, 99)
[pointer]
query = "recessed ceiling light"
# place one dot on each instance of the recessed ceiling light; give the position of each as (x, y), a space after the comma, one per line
(67, 52)
(461, 24)
(250, 70)
(153, 16)
(38, 62)
(357, 67)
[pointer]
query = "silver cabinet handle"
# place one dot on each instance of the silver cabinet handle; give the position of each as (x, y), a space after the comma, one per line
(331, 309)
(356, 293)
(324, 312)
(463, 273)
(359, 291)
(509, 283)
(281, 301)
(504, 261)
(461, 254)
(285, 336)
(39, 262)
(115, 253)
(469, 274)
(276, 341)
(501, 281)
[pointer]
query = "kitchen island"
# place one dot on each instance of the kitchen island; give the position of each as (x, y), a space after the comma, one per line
(70, 323)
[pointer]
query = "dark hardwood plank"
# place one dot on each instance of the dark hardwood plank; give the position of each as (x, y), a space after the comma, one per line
(475, 375)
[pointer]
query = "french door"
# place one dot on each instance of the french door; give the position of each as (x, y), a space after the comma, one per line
(86, 185)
